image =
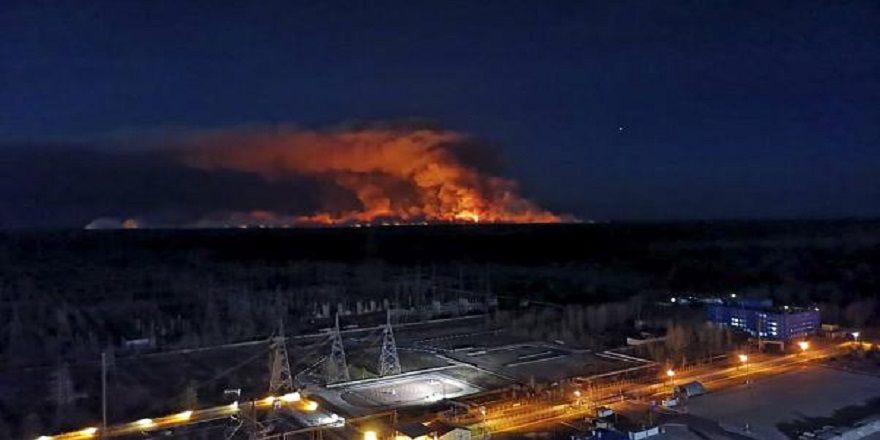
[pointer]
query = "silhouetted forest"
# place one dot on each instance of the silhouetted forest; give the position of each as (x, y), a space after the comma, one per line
(70, 293)
(67, 296)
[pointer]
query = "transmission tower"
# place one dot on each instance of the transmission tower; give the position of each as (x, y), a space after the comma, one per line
(337, 368)
(389, 363)
(281, 381)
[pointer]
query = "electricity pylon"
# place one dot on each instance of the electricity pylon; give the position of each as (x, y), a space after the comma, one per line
(337, 369)
(280, 380)
(389, 363)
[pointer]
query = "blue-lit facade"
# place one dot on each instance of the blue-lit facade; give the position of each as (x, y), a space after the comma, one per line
(766, 322)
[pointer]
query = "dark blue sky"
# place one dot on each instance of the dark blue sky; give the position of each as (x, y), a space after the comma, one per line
(730, 109)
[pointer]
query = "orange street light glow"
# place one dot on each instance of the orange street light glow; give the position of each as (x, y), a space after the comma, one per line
(743, 358)
(90, 431)
(291, 397)
(804, 345)
(670, 372)
(184, 415)
(370, 435)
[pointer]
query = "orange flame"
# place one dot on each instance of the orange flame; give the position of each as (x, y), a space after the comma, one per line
(397, 175)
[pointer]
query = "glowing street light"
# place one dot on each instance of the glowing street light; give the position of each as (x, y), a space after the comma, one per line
(44, 437)
(371, 435)
(744, 358)
(804, 345)
(855, 336)
(144, 423)
(184, 415)
(671, 373)
(90, 431)
(291, 397)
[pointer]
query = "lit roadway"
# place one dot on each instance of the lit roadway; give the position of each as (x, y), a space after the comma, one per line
(529, 416)
(289, 401)
(508, 416)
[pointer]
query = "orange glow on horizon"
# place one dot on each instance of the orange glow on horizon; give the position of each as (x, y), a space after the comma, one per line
(395, 176)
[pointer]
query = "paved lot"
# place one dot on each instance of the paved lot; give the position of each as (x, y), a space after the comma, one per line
(810, 392)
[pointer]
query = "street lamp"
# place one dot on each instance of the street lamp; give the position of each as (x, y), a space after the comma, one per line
(804, 345)
(370, 435)
(855, 336)
(671, 373)
(745, 361)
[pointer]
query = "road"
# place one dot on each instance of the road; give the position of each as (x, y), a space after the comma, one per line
(502, 416)
(526, 416)
(293, 402)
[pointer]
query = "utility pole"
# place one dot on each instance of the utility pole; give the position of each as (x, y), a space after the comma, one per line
(103, 392)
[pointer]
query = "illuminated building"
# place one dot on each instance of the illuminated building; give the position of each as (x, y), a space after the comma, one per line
(762, 319)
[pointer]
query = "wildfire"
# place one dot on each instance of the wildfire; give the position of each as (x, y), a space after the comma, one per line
(395, 175)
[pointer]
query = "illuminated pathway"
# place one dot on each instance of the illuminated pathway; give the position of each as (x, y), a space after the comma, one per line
(531, 416)
(508, 416)
(291, 401)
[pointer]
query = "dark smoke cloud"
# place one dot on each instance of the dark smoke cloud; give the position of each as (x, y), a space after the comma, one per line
(408, 174)
(69, 186)
(358, 172)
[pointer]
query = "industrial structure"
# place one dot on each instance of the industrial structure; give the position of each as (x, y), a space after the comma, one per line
(337, 367)
(761, 319)
(280, 379)
(389, 362)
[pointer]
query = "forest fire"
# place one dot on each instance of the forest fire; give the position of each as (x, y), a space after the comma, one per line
(385, 175)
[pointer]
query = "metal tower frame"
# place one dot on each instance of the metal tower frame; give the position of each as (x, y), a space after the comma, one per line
(281, 380)
(389, 362)
(337, 369)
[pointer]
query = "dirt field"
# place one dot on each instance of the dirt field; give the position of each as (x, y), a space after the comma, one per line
(809, 393)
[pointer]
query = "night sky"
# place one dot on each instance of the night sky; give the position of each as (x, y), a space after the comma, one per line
(608, 110)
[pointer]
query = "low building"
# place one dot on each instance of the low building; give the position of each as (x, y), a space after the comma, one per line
(413, 431)
(445, 431)
(761, 319)
(435, 430)
(601, 434)
(690, 389)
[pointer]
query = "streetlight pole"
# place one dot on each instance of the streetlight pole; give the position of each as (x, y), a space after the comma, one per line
(103, 393)
(744, 358)
(671, 373)
(745, 361)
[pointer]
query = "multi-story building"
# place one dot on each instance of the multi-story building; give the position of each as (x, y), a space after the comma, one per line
(762, 319)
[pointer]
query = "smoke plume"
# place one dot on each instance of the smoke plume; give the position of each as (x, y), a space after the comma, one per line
(393, 174)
